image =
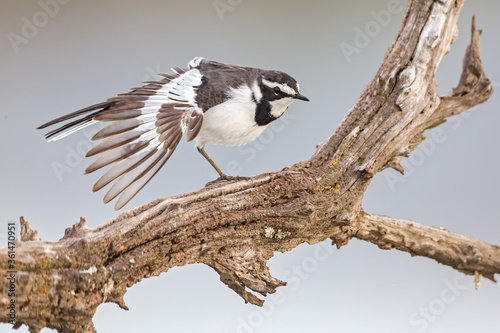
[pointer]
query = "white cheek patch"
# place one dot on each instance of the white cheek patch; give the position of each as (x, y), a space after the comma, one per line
(283, 87)
(278, 107)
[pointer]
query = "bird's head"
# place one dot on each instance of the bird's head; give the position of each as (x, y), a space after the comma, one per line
(280, 90)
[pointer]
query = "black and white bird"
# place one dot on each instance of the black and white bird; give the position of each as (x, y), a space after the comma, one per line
(210, 101)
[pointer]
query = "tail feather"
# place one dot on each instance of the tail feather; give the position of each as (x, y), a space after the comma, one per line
(103, 106)
(69, 128)
(77, 124)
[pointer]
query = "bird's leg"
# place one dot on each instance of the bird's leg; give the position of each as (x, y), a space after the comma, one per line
(222, 175)
(212, 163)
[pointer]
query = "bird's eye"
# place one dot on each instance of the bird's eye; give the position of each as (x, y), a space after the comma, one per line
(277, 90)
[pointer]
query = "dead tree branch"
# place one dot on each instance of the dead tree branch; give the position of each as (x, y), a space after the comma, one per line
(235, 227)
(463, 253)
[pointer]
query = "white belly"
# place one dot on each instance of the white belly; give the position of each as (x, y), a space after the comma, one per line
(231, 123)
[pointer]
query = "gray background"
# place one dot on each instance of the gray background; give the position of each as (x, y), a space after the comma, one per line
(88, 51)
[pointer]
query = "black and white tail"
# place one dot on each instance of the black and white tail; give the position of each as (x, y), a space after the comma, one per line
(75, 125)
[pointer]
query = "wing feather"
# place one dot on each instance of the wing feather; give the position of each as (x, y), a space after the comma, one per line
(145, 126)
(120, 139)
(121, 114)
(171, 119)
(139, 183)
(126, 165)
(117, 154)
(172, 139)
(121, 126)
(130, 176)
(194, 126)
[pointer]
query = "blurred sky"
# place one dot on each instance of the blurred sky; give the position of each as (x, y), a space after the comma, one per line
(58, 57)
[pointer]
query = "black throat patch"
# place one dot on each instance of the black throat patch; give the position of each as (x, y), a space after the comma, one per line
(263, 114)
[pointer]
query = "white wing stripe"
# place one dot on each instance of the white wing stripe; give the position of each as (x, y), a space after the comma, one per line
(185, 87)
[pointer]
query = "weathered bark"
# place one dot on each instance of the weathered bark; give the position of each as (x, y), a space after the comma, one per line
(235, 227)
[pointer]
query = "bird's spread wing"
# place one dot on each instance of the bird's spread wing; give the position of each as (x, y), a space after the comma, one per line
(145, 127)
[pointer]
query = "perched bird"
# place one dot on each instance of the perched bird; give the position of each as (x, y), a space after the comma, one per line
(209, 101)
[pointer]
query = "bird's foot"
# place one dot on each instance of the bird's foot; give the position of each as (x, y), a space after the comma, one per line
(226, 178)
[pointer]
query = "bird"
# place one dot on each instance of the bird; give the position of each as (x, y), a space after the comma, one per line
(209, 101)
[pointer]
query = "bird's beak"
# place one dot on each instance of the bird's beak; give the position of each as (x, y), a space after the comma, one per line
(300, 96)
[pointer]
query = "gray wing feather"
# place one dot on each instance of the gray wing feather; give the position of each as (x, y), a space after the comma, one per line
(126, 165)
(139, 183)
(194, 126)
(116, 154)
(132, 175)
(120, 139)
